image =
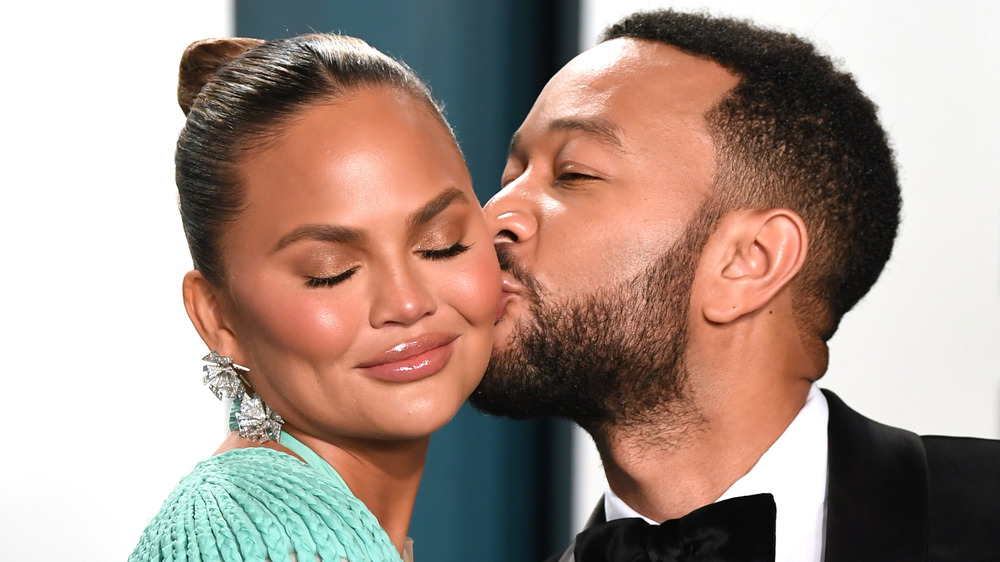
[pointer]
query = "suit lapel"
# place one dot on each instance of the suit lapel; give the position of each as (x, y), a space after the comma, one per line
(876, 492)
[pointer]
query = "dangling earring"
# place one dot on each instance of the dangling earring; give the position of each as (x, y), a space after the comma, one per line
(257, 422)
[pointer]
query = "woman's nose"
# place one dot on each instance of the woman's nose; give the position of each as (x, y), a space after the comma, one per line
(402, 298)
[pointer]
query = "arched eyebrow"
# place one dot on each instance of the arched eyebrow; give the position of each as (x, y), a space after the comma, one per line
(321, 233)
(345, 235)
(435, 206)
(600, 130)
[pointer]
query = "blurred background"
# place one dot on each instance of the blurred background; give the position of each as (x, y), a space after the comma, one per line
(101, 387)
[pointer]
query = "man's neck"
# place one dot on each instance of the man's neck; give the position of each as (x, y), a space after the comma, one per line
(671, 467)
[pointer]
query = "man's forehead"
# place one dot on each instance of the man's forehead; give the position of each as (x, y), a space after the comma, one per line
(637, 71)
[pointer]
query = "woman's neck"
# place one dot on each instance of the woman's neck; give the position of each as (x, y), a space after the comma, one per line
(385, 475)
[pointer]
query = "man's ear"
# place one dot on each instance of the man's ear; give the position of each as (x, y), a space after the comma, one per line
(750, 257)
(203, 302)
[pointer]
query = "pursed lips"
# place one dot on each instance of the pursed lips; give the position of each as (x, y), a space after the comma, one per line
(509, 290)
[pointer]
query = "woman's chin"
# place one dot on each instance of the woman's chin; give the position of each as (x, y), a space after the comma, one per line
(421, 419)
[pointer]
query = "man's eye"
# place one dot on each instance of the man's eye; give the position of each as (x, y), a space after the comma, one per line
(574, 176)
(445, 253)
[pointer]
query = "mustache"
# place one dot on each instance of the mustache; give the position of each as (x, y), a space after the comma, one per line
(508, 263)
(506, 258)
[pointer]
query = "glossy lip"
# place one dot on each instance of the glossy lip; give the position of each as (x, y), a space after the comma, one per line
(411, 360)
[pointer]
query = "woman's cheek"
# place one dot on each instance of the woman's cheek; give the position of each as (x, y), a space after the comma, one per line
(475, 288)
(316, 322)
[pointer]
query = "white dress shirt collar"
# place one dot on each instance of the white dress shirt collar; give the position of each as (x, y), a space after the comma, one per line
(794, 470)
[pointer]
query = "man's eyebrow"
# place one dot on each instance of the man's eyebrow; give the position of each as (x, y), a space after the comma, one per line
(321, 233)
(598, 129)
(434, 207)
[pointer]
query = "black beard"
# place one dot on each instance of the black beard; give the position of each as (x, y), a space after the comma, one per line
(612, 358)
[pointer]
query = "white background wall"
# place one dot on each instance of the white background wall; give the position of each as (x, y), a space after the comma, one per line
(922, 350)
(95, 341)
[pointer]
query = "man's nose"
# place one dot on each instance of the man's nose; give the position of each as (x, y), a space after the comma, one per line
(511, 215)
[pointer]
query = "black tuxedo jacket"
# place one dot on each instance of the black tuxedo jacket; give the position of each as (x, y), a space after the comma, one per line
(895, 496)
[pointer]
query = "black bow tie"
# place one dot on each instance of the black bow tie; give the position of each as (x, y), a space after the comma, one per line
(738, 529)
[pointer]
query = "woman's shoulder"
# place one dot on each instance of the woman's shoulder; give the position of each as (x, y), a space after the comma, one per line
(256, 504)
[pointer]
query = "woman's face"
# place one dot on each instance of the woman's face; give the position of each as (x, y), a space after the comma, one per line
(362, 281)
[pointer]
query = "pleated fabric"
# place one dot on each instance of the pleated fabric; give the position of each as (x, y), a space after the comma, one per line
(259, 504)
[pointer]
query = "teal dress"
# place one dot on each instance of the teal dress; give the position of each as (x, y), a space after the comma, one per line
(259, 504)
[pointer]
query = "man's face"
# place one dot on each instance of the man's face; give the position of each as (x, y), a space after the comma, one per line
(603, 177)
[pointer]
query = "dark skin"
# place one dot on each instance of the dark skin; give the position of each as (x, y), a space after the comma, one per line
(586, 205)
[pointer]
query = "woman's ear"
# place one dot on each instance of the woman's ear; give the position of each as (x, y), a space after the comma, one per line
(203, 302)
(749, 259)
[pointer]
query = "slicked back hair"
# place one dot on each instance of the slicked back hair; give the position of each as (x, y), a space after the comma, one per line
(239, 95)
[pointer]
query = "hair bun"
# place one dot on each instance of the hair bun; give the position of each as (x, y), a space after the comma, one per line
(200, 61)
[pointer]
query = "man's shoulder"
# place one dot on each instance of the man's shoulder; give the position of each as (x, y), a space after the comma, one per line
(962, 460)
(953, 481)
(964, 472)
(947, 449)
(964, 502)
(947, 446)
(965, 466)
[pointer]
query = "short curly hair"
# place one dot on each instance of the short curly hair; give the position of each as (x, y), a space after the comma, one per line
(795, 132)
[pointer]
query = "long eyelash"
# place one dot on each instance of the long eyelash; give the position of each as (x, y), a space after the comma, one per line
(331, 281)
(456, 249)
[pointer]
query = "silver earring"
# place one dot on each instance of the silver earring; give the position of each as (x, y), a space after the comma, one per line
(256, 420)
(221, 376)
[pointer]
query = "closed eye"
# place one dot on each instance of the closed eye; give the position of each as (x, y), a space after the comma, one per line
(445, 253)
(574, 176)
(331, 281)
